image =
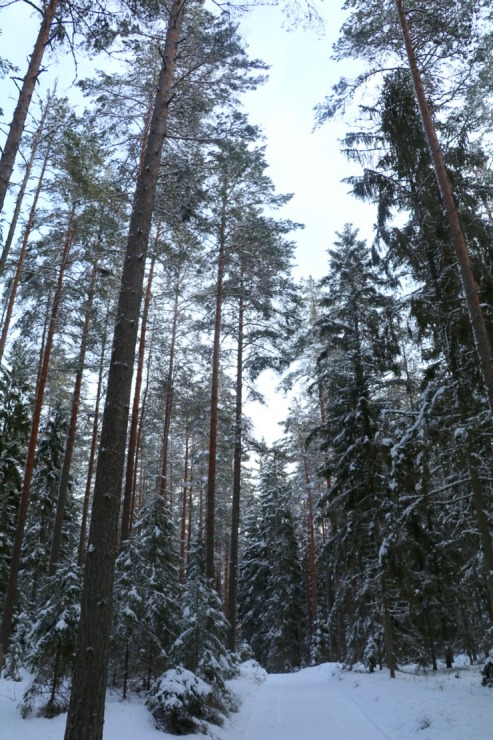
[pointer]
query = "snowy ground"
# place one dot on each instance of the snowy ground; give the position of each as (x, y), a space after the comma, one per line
(321, 703)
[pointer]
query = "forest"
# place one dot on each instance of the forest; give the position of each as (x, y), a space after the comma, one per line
(150, 538)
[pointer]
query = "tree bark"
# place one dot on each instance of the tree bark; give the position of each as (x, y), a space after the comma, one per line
(21, 257)
(184, 508)
(211, 478)
(471, 291)
(86, 712)
(56, 543)
(31, 450)
(132, 443)
(22, 189)
(92, 455)
(16, 129)
(232, 611)
(168, 403)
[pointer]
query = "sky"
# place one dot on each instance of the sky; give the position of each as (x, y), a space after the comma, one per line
(302, 161)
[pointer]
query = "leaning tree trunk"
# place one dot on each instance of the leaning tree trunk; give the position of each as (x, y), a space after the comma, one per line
(471, 291)
(86, 712)
(22, 189)
(211, 478)
(134, 422)
(232, 585)
(16, 129)
(31, 450)
(56, 542)
(21, 257)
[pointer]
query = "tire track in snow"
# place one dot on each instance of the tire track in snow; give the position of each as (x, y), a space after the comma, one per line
(301, 706)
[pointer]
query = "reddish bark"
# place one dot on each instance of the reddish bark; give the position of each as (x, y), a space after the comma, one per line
(92, 455)
(31, 450)
(21, 257)
(16, 129)
(56, 543)
(86, 712)
(22, 189)
(211, 478)
(132, 444)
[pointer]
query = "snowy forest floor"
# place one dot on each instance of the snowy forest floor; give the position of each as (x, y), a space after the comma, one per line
(314, 704)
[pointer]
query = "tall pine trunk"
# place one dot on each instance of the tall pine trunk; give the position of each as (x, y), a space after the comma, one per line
(56, 542)
(16, 128)
(22, 189)
(232, 585)
(92, 454)
(31, 450)
(21, 257)
(168, 401)
(86, 712)
(210, 519)
(132, 444)
(471, 290)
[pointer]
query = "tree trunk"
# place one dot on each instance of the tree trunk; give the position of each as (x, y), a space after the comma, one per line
(232, 611)
(138, 446)
(21, 257)
(16, 129)
(211, 478)
(184, 508)
(471, 291)
(92, 455)
(22, 189)
(168, 403)
(132, 444)
(56, 543)
(86, 712)
(31, 450)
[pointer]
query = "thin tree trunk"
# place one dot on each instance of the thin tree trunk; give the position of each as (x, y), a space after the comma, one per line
(184, 508)
(211, 478)
(168, 403)
(31, 450)
(21, 257)
(86, 712)
(138, 447)
(232, 606)
(92, 454)
(16, 129)
(56, 543)
(132, 444)
(471, 291)
(22, 189)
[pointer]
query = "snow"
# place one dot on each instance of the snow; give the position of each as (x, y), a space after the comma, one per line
(313, 704)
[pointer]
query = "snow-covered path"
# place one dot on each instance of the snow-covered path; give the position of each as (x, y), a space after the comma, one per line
(319, 703)
(304, 705)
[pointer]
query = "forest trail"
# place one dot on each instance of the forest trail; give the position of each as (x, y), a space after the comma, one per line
(308, 705)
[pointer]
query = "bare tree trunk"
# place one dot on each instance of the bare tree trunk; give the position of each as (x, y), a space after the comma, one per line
(132, 444)
(21, 257)
(31, 450)
(86, 712)
(92, 455)
(168, 403)
(471, 291)
(232, 606)
(16, 129)
(211, 478)
(138, 446)
(22, 189)
(56, 543)
(184, 508)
